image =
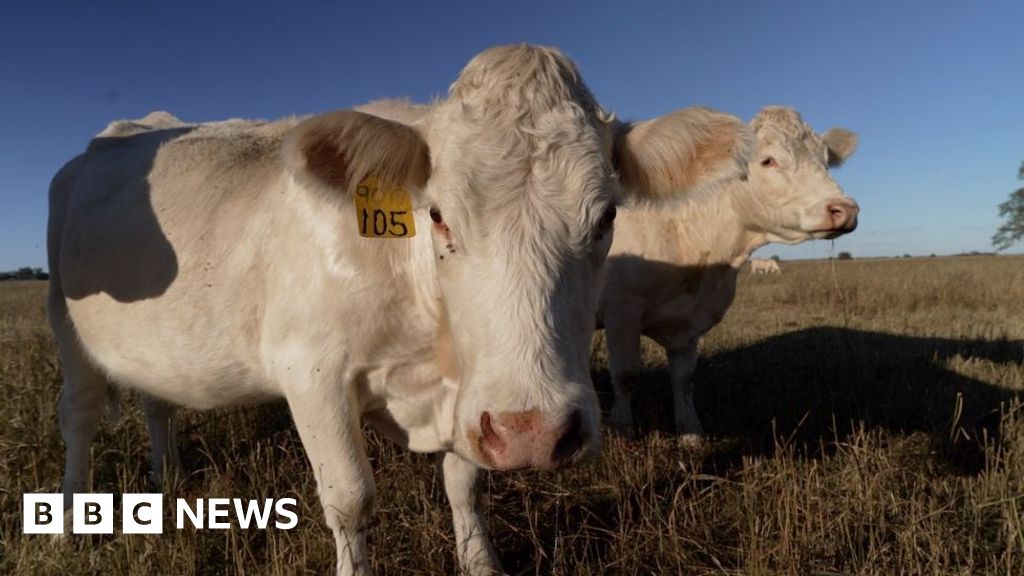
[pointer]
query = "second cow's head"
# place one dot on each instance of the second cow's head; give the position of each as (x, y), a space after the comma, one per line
(792, 197)
(521, 172)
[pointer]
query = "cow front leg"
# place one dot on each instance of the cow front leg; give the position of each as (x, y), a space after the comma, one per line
(327, 419)
(681, 364)
(163, 445)
(623, 336)
(80, 410)
(472, 541)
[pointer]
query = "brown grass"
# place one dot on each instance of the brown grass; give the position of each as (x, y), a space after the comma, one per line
(866, 419)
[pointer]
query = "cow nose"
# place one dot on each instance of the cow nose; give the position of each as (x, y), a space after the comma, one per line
(512, 440)
(843, 213)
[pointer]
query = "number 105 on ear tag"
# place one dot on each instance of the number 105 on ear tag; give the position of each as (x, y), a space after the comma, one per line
(383, 211)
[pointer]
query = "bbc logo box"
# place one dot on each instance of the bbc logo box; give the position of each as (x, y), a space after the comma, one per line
(43, 513)
(93, 514)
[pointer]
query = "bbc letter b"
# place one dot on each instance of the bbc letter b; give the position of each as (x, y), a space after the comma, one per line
(43, 513)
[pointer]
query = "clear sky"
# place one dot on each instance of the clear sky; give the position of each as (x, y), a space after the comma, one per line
(935, 89)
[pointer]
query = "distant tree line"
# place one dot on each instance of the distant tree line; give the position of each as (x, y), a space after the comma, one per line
(25, 273)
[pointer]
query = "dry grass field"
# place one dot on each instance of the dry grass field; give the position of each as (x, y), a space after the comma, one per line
(865, 418)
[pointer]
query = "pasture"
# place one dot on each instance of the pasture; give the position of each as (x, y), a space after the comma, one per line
(865, 417)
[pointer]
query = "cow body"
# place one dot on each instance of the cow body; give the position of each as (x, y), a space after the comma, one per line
(672, 270)
(764, 266)
(210, 265)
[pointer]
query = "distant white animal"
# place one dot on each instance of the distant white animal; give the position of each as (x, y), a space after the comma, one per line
(764, 266)
(216, 264)
(672, 269)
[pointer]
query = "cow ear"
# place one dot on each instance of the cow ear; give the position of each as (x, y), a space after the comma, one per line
(682, 152)
(841, 144)
(338, 150)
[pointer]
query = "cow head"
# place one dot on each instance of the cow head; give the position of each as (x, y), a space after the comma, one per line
(792, 197)
(521, 171)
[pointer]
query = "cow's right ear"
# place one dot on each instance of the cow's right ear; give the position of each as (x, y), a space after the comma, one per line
(338, 150)
(682, 152)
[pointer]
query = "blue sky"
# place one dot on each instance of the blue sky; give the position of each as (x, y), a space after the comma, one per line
(934, 89)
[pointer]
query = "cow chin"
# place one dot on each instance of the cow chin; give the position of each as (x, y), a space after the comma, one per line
(828, 234)
(791, 236)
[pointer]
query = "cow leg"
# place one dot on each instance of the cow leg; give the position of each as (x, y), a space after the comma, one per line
(623, 336)
(163, 445)
(327, 419)
(472, 541)
(681, 364)
(80, 409)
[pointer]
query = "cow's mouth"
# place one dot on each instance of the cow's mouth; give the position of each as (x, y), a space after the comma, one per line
(833, 233)
(828, 234)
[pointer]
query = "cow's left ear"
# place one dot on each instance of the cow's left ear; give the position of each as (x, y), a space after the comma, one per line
(681, 152)
(841, 144)
(338, 150)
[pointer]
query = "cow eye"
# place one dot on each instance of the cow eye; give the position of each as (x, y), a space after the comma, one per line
(609, 216)
(606, 221)
(769, 162)
(435, 215)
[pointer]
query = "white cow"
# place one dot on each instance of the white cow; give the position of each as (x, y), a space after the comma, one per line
(764, 266)
(210, 265)
(672, 269)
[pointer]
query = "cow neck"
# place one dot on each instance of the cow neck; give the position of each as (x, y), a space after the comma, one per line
(419, 259)
(716, 229)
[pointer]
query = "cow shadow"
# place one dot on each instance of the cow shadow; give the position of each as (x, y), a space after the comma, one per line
(816, 387)
(112, 241)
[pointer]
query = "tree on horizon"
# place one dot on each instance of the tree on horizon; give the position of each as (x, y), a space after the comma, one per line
(1012, 230)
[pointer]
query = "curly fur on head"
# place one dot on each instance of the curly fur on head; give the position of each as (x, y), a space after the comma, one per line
(517, 79)
(836, 145)
(781, 118)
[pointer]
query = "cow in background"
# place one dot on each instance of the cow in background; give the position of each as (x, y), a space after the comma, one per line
(672, 268)
(764, 266)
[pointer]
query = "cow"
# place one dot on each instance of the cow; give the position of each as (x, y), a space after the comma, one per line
(437, 279)
(764, 266)
(672, 269)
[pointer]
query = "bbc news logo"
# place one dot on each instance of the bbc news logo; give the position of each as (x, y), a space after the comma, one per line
(144, 513)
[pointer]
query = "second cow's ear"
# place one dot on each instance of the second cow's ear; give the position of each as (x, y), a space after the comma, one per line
(338, 150)
(682, 152)
(841, 144)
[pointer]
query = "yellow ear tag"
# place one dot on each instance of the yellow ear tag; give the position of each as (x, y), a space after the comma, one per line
(383, 212)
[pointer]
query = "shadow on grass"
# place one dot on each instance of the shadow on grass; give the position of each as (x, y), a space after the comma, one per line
(813, 387)
(810, 388)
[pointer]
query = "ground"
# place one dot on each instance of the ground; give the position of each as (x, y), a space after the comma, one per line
(865, 418)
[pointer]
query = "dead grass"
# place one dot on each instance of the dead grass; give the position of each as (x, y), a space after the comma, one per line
(866, 419)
